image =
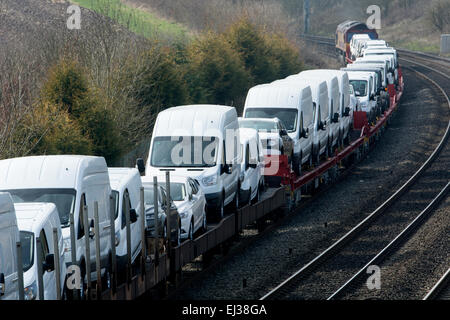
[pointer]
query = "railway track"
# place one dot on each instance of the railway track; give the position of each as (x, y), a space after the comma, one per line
(349, 255)
(441, 290)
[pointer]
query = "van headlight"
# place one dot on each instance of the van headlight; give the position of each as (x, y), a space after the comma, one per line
(31, 291)
(210, 181)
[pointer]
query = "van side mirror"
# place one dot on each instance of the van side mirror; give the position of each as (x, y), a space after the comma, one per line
(304, 134)
(2, 284)
(347, 111)
(372, 97)
(140, 166)
(49, 263)
(322, 125)
(283, 132)
(226, 168)
(91, 229)
(253, 165)
(133, 215)
(336, 117)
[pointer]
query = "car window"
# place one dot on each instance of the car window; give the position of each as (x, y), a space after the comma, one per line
(44, 244)
(124, 208)
(193, 186)
(81, 217)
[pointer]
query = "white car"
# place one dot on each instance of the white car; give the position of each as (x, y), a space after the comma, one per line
(9, 235)
(273, 135)
(126, 181)
(38, 220)
(191, 204)
(252, 166)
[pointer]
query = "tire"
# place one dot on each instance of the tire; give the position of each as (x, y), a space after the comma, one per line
(83, 284)
(191, 231)
(221, 211)
(204, 223)
(317, 155)
(298, 165)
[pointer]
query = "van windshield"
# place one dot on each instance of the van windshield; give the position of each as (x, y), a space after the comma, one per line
(187, 151)
(27, 243)
(64, 200)
(287, 115)
(360, 87)
(260, 125)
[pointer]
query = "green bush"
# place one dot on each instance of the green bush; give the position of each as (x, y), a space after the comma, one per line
(216, 72)
(68, 90)
(247, 39)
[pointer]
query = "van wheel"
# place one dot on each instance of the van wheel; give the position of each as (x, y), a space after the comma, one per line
(298, 165)
(317, 155)
(204, 224)
(191, 231)
(221, 209)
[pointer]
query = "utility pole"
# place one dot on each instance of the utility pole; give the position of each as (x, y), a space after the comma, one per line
(306, 13)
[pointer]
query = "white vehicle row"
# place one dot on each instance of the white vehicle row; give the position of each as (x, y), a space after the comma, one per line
(214, 158)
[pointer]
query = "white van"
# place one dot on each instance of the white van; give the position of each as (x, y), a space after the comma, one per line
(391, 53)
(252, 165)
(333, 102)
(381, 79)
(9, 235)
(38, 220)
(321, 116)
(126, 181)
(70, 182)
(292, 104)
(363, 84)
(355, 44)
(380, 60)
(200, 141)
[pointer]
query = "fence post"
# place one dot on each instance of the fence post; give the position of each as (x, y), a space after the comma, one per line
(40, 275)
(73, 249)
(143, 240)
(156, 212)
(87, 241)
(57, 263)
(97, 252)
(20, 271)
(113, 243)
(128, 230)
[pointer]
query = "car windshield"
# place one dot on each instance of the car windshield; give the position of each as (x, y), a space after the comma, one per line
(64, 200)
(287, 116)
(185, 151)
(259, 125)
(177, 191)
(148, 195)
(27, 243)
(360, 87)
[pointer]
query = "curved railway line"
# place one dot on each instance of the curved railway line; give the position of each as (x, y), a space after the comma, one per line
(352, 252)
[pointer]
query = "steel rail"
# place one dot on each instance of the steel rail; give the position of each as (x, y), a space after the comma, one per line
(394, 244)
(439, 287)
(313, 264)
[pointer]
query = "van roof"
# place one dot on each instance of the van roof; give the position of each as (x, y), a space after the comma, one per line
(121, 176)
(31, 215)
(356, 75)
(192, 119)
(60, 171)
(279, 94)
